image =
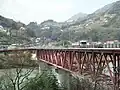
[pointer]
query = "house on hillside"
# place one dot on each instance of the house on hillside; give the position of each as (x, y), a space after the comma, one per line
(112, 44)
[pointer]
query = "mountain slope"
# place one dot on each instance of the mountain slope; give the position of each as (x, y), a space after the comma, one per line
(108, 16)
(12, 32)
(79, 16)
(102, 25)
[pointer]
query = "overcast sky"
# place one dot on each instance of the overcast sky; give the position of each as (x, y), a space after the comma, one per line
(39, 10)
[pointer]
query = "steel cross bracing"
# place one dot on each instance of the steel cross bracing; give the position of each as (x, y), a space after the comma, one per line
(101, 65)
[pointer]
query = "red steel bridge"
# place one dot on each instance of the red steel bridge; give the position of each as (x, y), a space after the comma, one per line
(102, 65)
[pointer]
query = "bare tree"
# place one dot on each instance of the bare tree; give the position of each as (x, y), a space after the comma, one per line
(16, 77)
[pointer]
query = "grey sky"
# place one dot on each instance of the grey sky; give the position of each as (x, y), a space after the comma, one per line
(40, 10)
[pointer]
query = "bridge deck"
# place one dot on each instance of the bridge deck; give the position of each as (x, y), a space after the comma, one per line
(76, 49)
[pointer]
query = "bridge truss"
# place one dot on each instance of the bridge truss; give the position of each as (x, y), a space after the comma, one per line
(101, 65)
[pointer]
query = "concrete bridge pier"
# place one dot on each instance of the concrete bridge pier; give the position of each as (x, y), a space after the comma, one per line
(62, 76)
(44, 67)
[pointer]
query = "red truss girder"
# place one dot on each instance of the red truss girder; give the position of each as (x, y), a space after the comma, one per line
(86, 62)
